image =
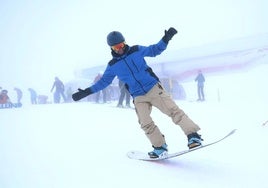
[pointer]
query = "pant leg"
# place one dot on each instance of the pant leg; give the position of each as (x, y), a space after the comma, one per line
(122, 96)
(199, 92)
(104, 95)
(202, 92)
(97, 97)
(127, 98)
(143, 111)
(56, 97)
(63, 96)
(162, 100)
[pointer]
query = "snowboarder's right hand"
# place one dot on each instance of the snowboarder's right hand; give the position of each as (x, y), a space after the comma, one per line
(82, 93)
(169, 34)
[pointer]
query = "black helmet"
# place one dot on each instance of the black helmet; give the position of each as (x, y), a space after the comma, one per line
(115, 37)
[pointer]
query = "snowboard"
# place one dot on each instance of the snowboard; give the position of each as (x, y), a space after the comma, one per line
(138, 155)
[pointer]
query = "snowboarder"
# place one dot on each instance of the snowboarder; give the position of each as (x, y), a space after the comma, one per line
(129, 65)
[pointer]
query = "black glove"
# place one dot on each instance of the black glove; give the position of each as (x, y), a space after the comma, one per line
(169, 34)
(82, 93)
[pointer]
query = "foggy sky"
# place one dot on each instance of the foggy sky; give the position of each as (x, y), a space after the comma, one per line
(43, 39)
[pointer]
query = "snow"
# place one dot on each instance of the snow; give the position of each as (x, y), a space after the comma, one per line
(85, 144)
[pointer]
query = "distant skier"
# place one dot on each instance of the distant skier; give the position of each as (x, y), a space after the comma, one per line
(123, 94)
(4, 99)
(19, 95)
(200, 79)
(59, 92)
(103, 91)
(33, 96)
(129, 65)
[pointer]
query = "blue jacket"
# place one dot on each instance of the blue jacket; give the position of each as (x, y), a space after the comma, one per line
(132, 69)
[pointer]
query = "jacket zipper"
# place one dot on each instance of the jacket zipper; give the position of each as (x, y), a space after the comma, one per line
(133, 75)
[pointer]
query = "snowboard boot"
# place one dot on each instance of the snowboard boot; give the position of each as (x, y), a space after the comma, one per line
(158, 152)
(194, 140)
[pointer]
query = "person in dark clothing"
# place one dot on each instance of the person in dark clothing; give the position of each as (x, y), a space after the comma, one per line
(33, 96)
(123, 93)
(4, 98)
(19, 94)
(69, 93)
(200, 79)
(103, 91)
(129, 65)
(59, 92)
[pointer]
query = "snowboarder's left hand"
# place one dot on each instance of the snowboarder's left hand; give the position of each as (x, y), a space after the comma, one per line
(169, 34)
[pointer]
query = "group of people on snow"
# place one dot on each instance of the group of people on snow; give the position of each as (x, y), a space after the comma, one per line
(5, 100)
(60, 95)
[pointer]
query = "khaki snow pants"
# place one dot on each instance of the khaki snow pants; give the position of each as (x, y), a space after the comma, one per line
(160, 99)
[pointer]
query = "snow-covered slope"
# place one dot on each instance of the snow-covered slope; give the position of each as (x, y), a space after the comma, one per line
(85, 144)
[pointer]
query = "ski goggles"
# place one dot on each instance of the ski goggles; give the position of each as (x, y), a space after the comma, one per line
(118, 47)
